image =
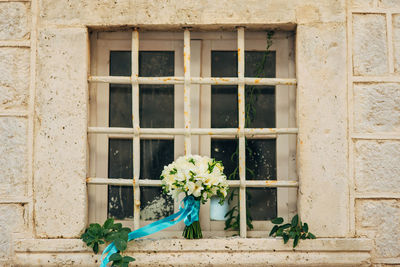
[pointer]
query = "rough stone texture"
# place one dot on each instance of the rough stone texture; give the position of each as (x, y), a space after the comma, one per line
(377, 167)
(60, 147)
(380, 220)
(14, 78)
(14, 20)
(369, 44)
(13, 157)
(363, 3)
(396, 42)
(377, 107)
(175, 12)
(12, 220)
(321, 55)
(389, 3)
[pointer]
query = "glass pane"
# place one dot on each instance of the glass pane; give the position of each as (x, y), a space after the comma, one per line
(261, 165)
(156, 106)
(224, 105)
(261, 203)
(260, 100)
(120, 198)
(155, 154)
(226, 151)
(120, 94)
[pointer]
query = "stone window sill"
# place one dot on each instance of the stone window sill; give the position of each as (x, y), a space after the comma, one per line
(221, 251)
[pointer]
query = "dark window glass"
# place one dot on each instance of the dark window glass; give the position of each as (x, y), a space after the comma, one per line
(155, 154)
(120, 198)
(224, 98)
(156, 108)
(260, 113)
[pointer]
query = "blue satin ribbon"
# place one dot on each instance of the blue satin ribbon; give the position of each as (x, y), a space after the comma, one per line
(189, 214)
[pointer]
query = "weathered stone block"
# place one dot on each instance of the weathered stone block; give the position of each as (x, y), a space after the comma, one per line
(83, 12)
(12, 220)
(14, 20)
(376, 107)
(396, 42)
(389, 4)
(362, 3)
(369, 44)
(13, 156)
(321, 55)
(14, 78)
(377, 166)
(311, 11)
(60, 151)
(380, 220)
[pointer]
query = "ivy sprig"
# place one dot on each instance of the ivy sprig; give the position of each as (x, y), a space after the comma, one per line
(97, 234)
(295, 230)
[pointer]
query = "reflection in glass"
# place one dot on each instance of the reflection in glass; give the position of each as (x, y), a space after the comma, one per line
(155, 154)
(120, 198)
(156, 109)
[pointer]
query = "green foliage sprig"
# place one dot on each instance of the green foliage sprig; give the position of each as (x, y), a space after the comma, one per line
(233, 215)
(295, 230)
(109, 232)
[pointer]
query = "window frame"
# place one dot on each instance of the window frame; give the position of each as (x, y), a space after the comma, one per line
(284, 86)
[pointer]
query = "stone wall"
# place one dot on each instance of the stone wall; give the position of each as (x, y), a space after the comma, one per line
(347, 65)
(374, 86)
(15, 189)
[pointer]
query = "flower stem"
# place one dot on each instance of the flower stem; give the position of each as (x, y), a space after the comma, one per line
(193, 231)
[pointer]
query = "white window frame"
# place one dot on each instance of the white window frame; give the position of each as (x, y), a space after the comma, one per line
(192, 134)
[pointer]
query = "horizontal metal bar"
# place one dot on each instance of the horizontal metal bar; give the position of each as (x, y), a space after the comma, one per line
(193, 80)
(193, 131)
(149, 182)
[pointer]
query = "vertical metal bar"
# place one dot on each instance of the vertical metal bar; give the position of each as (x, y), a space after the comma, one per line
(242, 141)
(135, 124)
(186, 97)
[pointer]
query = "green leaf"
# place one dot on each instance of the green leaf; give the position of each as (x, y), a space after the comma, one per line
(274, 229)
(123, 235)
(120, 244)
(305, 227)
(111, 236)
(108, 223)
(311, 236)
(295, 221)
(279, 232)
(96, 248)
(285, 226)
(128, 259)
(115, 257)
(117, 226)
(278, 220)
(295, 241)
(303, 236)
(124, 264)
(285, 238)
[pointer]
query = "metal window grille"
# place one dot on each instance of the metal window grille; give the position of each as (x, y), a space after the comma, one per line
(241, 132)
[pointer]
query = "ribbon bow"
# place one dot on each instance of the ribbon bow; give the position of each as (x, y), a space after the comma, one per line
(189, 213)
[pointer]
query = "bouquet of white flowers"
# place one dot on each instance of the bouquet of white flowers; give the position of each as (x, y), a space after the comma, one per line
(197, 176)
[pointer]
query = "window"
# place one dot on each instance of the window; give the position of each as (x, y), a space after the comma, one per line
(166, 94)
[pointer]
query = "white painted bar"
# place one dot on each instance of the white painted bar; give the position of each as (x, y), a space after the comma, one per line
(186, 91)
(242, 140)
(135, 123)
(193, 80)
(193, 131)
(149, 182)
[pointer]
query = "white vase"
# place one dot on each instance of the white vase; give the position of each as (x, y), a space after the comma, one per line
(217, 211)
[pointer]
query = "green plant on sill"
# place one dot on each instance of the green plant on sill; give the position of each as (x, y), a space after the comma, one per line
(233, 215)
(96, 235)
(295, 230)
